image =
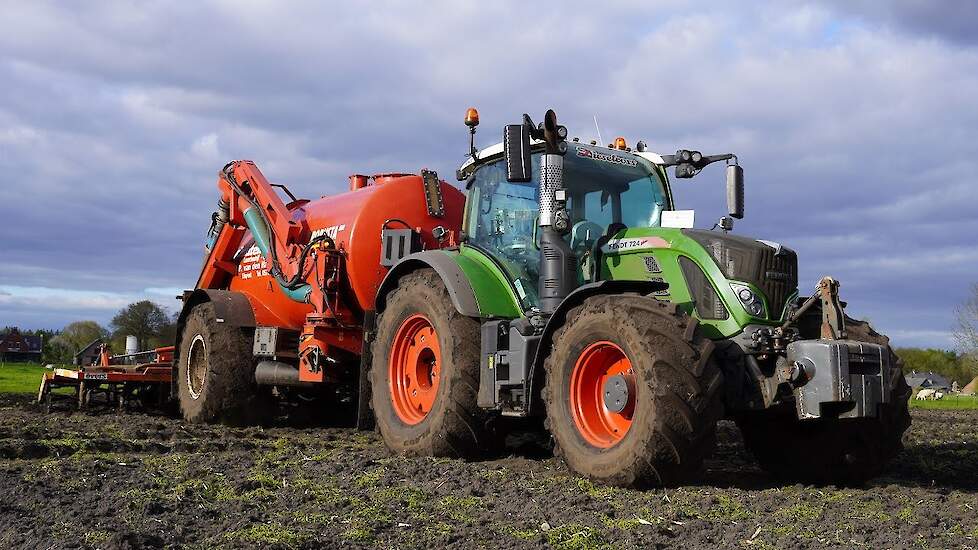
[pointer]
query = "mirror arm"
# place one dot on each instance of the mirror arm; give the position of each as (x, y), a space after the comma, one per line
(707, 160)
(671, 160)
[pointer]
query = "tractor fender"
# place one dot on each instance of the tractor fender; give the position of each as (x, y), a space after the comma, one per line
(572, 300)
(459, 288)
(231, 307)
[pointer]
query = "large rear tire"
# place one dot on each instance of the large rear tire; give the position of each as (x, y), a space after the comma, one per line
(832, 451)
(632, 393)
(424, 374)
(216, 372)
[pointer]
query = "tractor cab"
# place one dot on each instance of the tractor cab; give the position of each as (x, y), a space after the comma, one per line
(608, 191)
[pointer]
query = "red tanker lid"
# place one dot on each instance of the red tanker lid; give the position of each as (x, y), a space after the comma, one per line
(388, 176)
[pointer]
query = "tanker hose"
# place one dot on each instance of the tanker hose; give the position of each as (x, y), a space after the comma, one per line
(218, 220)
(262, 235)
(301, 274)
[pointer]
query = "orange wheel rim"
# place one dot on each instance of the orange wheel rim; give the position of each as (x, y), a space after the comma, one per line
(414, 369)
(602, 374)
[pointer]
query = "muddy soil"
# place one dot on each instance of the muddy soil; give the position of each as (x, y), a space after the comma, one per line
(103, 480)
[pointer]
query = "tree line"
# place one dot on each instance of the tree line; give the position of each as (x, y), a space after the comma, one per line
(950, 364)
(959, 365)
(152, 325)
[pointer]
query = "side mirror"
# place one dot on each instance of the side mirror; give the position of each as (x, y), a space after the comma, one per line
(735, 191)
(516, 151)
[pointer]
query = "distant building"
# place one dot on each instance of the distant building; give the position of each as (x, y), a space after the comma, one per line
(15, 346)
(88, 355)
(927, 380)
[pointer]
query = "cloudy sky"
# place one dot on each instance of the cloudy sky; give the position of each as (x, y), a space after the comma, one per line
(857, 126)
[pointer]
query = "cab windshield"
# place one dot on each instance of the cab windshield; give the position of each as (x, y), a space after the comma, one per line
(604, 187)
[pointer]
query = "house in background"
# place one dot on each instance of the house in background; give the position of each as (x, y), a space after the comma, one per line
(88, 355)
(18, 347)
(927, 381)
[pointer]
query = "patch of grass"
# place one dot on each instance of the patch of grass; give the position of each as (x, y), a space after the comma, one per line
(265, 480)
(622, 524)
(681, 507)
(802, 512)
(522, 534)
(97, 537)
(595, 492)
(370, 479)
(268, 534)
(458, 508)
(729, 509)
(209, 489)
(950, 402)
(574, 536)
(21, 377)
(357, 534)
(500, 474)
(907, 515)
(869, 510)
(363, 520)
(412, 498)
(46, 467)
(324, 493)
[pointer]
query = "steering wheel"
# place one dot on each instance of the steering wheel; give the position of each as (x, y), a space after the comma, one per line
(583, 235)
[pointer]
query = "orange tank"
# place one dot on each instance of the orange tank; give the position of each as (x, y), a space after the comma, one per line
(354, 221)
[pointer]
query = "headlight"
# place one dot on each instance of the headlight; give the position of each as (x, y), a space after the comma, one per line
(752, 303)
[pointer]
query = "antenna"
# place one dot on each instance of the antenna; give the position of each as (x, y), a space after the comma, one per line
(596, 127)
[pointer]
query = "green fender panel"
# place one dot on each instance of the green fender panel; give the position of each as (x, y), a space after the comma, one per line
(476, 286)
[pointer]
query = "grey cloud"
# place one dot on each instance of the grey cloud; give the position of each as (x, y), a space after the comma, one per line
(954, 20)
(853, 156)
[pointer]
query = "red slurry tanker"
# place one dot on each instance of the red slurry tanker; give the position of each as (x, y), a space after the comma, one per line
(287, 289)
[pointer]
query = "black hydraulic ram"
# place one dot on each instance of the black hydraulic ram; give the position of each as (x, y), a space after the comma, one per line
(557, 261)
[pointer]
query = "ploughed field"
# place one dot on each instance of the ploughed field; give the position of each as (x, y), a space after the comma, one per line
(104, 480)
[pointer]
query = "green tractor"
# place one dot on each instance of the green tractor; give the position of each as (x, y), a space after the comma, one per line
(578, 294)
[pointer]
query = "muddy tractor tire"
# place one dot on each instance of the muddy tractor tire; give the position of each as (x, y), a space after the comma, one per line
(632, 392)
(827, 451)
(424, 374)
(216, 372)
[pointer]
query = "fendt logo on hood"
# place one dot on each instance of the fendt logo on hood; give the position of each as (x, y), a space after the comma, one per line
(634, 243)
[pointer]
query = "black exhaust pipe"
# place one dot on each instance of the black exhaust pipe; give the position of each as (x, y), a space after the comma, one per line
(558, 264)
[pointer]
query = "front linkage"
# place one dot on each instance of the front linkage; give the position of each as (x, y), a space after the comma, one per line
(831, 374)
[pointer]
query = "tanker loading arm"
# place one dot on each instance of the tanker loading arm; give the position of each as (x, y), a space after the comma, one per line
(249, 203)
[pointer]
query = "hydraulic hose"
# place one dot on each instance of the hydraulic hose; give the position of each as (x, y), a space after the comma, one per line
(262, 235)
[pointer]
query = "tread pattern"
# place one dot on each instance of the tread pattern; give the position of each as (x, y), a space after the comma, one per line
(680, 385)
(456, 426)
(229, 394)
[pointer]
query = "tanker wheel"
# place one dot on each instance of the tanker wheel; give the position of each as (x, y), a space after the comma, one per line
(633, 394)
(827, 450)
(424, 374)
(216, 372)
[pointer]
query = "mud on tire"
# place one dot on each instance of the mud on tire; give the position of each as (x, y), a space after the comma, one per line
(677, 387)
(832, 451)
(216, 372)
(455, 425)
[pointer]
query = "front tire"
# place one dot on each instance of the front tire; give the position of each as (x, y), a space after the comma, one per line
(832, 451)
(424, 374)
(216, 372)
(632, 392)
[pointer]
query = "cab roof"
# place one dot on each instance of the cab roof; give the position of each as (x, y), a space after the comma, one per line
(496, 151)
